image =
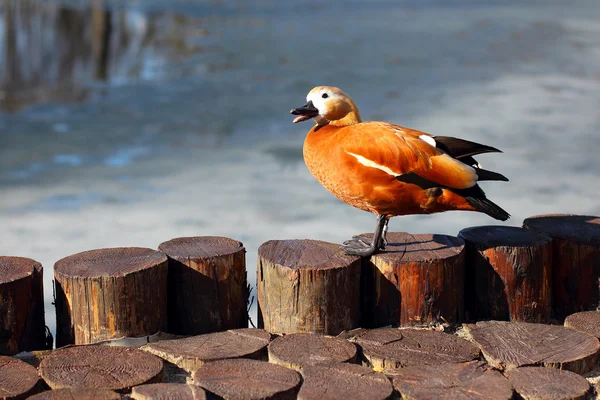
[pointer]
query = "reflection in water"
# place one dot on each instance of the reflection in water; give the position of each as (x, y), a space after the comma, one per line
(53, 52)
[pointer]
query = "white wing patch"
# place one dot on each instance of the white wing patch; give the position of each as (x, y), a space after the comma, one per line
(428, 140)
(368, 163)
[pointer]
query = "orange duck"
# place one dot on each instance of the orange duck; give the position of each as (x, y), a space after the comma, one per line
(387, 169)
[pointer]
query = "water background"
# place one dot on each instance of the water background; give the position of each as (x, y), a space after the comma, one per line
(128, 123)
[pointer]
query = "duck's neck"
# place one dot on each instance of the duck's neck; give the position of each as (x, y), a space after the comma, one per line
(352, 118)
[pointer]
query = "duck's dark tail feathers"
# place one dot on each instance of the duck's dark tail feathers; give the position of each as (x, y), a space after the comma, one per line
(475, 196)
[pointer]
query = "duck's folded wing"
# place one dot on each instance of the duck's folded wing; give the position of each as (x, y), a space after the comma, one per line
(406, 156)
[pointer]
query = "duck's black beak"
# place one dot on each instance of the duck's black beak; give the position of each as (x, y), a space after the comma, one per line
(305, 112)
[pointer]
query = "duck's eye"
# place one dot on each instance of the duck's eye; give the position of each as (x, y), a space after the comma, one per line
(324, 95)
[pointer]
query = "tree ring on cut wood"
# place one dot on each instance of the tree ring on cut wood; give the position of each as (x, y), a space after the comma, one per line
(245, 379)
(472, 380)
(385, 348)
(168, 391)
(585, 321)
(343, 381)
(17, 378)
(508, 345)
(298, 349)
(77, 394)
(539, 383)
(193, 352)
(418, 279)
(207, 284)
(103, 367)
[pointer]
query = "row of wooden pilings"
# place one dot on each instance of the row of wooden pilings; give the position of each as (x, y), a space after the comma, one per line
(546, 270)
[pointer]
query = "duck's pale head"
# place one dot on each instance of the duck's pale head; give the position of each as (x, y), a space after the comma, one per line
(328, 105)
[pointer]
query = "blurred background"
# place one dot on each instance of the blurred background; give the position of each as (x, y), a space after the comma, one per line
(128, 123)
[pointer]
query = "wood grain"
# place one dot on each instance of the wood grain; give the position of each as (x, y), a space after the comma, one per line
(207, 290)
(307, 286)
(538, 383)
(243, 379)
(509, 274)
(77, 394)
(110, 293)
(17, 378)
(575, 260)
(418, 279)
(299, 349)
(385, 348)
(585, 321)
(508, 345)
(193, 352)
(168, 391)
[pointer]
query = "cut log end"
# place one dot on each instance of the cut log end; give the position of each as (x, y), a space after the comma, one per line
(78, 394)
(197, 248)
(14, 268)
(102, 367)
(577, 228)
(418, 247)
(193, 352)
(168, 391)
(17, 378)
(343, 381)
(489, 236)
(538, 383)
(585, 321)
(300, 254)
(248, 379)
(300, 349)
(473, 380)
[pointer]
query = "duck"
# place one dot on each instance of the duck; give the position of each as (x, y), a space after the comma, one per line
(387, 169)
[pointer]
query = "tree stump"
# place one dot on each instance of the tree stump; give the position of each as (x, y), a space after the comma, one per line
(110, 293)
(585, 321)
(343, 381)
(538, 383)
(307, 286)
(22, 325)
(508, 273)
(508, 345)
(385, 348)
(193, 352)
(418, 279)
(168, 391)
(473, 380)
(17, 378)
(299, 349)
(77, 394)
(207, 290)
(244, 379)
(575, 260)
(100, 367)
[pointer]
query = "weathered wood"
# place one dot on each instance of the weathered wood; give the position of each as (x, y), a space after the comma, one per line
(299, 349)
(575, 260)
(193, 352)
(110, 293)
(243, 379)
(77, 394)
(473, 380)
(508, 345)
(307, 286)
(585, 321)
(385, 348)
(539, 383)
(168, 391)
(33, 358)
(207, 284)
(21, 305)
(100, 367)
(343, 381)
(17, 378)
(418, 279)
(508, 273)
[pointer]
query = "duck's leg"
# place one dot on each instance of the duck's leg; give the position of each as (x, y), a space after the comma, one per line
(361, 246)
(384, 241)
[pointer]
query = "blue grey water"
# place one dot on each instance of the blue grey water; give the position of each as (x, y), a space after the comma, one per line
(175, 120)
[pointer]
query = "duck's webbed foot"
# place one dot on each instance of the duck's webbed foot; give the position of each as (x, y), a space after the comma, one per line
(361, 246)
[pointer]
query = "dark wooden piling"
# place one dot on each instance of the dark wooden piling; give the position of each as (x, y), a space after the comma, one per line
(110, 293)
(418, 279)
(207, 289)
(508, 274)
(18, 380)
(168, 391)
(307, 286)
(21, 305)
(100, 367)
(77, 394)
(538, 383)
(585, 321)
(575, 260)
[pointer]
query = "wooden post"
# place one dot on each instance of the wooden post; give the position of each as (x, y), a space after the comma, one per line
(418, 279)
(18, 380)
(508, 274)
(110, 293)
(532, 383)
(22, 325)
(207, 289)
(307, 286)
(79, 394)
(575, 260)
(168, 391)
